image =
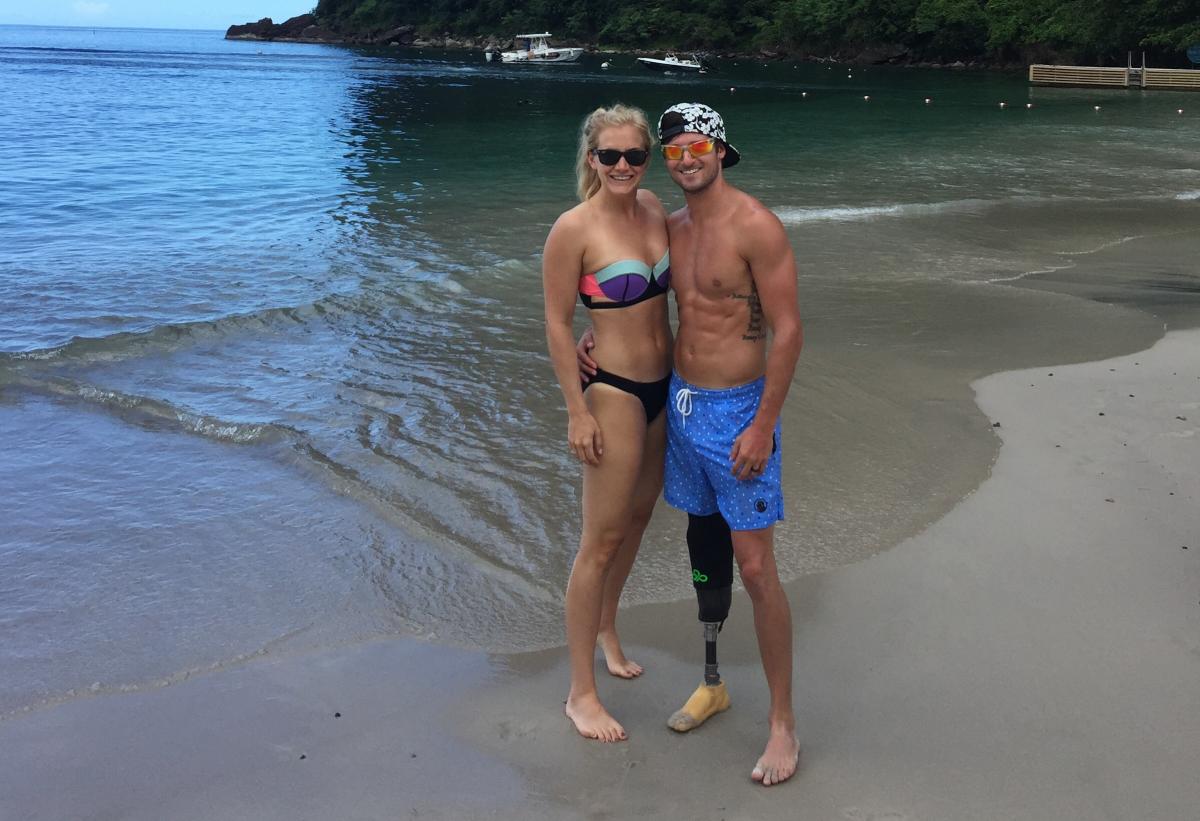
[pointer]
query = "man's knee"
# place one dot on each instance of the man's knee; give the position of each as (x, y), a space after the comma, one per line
(756, 563)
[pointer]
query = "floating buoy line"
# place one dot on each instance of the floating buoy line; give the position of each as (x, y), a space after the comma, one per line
(1003, 104)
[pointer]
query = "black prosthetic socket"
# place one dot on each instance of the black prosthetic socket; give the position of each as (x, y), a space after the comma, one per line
(710, 547)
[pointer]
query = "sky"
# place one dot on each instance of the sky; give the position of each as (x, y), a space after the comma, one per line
(175, 14)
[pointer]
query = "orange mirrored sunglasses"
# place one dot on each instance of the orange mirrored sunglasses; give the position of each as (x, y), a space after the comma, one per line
(696, 149)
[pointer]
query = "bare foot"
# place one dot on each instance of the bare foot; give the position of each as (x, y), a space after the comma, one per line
(614, 657)
(779, 760)
(703, 704)
(592, 720)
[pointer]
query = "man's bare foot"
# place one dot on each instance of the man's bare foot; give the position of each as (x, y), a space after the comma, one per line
(703, 704)
(592, 720)
(614, 657)
(779, 760)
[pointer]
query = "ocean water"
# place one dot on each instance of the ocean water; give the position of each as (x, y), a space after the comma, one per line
(272, 373)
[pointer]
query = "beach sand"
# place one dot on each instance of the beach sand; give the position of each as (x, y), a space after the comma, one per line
(1034, 654)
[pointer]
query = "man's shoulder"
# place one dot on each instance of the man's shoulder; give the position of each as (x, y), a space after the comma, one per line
(750, 212)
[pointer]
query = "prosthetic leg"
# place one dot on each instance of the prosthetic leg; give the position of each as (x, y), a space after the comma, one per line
(710, 547)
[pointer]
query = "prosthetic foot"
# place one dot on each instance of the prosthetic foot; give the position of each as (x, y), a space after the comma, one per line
(710, 547)
(706, 702)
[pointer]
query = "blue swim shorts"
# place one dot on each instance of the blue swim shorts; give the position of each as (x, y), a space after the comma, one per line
(701, 426)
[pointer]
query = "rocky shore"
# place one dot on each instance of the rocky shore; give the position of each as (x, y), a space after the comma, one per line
(307, 29)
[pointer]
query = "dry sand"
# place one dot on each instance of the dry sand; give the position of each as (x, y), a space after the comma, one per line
(1035, 654)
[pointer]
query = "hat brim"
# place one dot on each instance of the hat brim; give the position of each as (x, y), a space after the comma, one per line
(732, 156)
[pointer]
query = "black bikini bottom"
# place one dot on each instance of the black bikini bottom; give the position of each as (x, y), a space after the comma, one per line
(652, 394)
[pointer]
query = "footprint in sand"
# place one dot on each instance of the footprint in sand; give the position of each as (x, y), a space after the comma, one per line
(855, 814)
(514, 729)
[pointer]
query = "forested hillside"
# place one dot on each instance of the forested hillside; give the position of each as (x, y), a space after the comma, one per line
(997, 30)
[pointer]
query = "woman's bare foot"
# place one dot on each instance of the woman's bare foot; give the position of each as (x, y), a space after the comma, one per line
(614, 657)
(592, 720)
(779, 760)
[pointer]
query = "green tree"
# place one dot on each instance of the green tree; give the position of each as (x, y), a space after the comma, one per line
(1096, 30)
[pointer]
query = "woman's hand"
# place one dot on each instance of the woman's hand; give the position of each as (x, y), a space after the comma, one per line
(585, 439)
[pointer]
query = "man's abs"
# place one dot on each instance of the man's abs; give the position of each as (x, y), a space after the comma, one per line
(722, 338)
(721, 343)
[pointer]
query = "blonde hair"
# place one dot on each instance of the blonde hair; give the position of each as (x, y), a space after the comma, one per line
(587, 180)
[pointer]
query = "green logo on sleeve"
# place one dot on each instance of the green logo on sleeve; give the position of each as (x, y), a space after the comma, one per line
(697, 576)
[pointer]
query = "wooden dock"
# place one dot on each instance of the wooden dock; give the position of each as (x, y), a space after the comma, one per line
(1175, 79)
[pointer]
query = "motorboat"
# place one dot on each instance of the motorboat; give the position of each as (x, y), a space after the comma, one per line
(535, 48)
(672, 62)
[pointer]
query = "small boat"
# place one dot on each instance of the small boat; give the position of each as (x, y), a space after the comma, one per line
(535, 48)
(673, 63)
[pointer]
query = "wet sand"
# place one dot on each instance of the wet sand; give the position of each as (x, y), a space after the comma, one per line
(1032, 655)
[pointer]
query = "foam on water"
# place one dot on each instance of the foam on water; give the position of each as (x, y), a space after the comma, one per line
(796, 215)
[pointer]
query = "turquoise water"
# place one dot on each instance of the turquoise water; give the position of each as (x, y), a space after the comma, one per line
(272, 372)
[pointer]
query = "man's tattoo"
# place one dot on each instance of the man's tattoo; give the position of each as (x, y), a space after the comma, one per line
(754, 328)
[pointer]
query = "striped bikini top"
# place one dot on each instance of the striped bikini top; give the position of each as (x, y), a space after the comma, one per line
(626, 282)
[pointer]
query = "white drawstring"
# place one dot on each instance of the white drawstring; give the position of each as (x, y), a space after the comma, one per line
(683, 403)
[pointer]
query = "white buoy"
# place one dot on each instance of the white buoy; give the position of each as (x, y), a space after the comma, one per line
(805, 94)
(732, 89)
(1004, 105)
(928, 101)
(867, 97)
(604, 64)
(1096, 108)
(1029, 105)
(1179, 111)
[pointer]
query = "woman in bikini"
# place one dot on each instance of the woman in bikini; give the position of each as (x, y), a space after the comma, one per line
(611, 252)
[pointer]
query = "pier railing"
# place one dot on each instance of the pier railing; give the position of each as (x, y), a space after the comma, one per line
(1183, 79)
(1079, 76)
(1179, 79)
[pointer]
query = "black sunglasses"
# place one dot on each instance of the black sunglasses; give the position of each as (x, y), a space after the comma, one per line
(611, 156)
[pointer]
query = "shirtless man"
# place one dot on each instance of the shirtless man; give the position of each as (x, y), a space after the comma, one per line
(734, 277)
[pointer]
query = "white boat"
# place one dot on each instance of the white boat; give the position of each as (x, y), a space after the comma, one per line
(536, 48)
(672, 63)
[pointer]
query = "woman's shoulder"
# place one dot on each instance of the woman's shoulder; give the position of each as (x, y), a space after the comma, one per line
(648, 199)
(653, 208)
(573, 219)
(570, 230)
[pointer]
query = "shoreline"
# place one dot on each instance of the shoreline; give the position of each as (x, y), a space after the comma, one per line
(990, 666)
(306, 29)
(957, 479)
(662, 544)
